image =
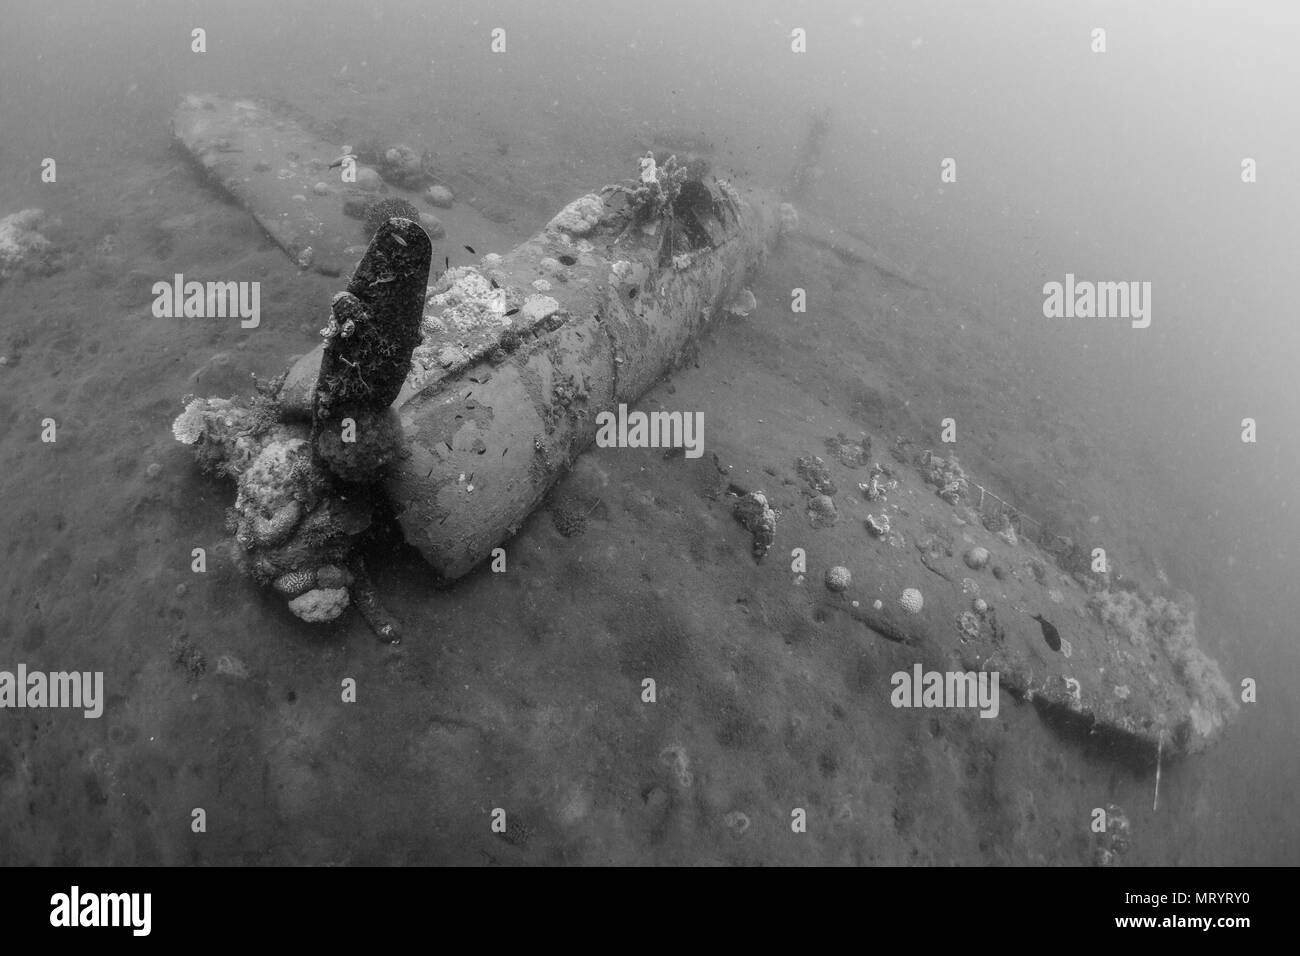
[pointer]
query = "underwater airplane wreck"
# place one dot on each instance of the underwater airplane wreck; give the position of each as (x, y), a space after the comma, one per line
(455, 402)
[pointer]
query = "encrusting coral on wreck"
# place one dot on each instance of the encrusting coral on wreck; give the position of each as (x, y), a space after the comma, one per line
(579, 217)
(1144, 620)
(295, 582)
(838, 579)
(821, 511)
(759, 520)
(288, 518)
(851, 453)
(946, 474)
(877, 527)
(668, 199)
(813, 470)
(303, 474)
(320, 604)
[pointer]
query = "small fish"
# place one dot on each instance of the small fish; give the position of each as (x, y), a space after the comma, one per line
(343, 159)
(1050, 634)
(494, 283)
(470, 250)
(446, 262)
(511, 311)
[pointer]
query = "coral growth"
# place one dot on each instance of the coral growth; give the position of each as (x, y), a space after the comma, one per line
(946, 474)
(320, 605)
(673, 200)
(188, 427)
(579, 217)
(464, 300)
(874, 489)
(838, 579)
(268, 484)
(217, 428)
(1147, 620)
(263, 409)
(655, 190)
(273, 530)
(814, 471)
(759, 520)
(301, 503)
(287, 518)
(1125, 612)
(295, 583)
(821, 511)
(852, 453)
(23, 248)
